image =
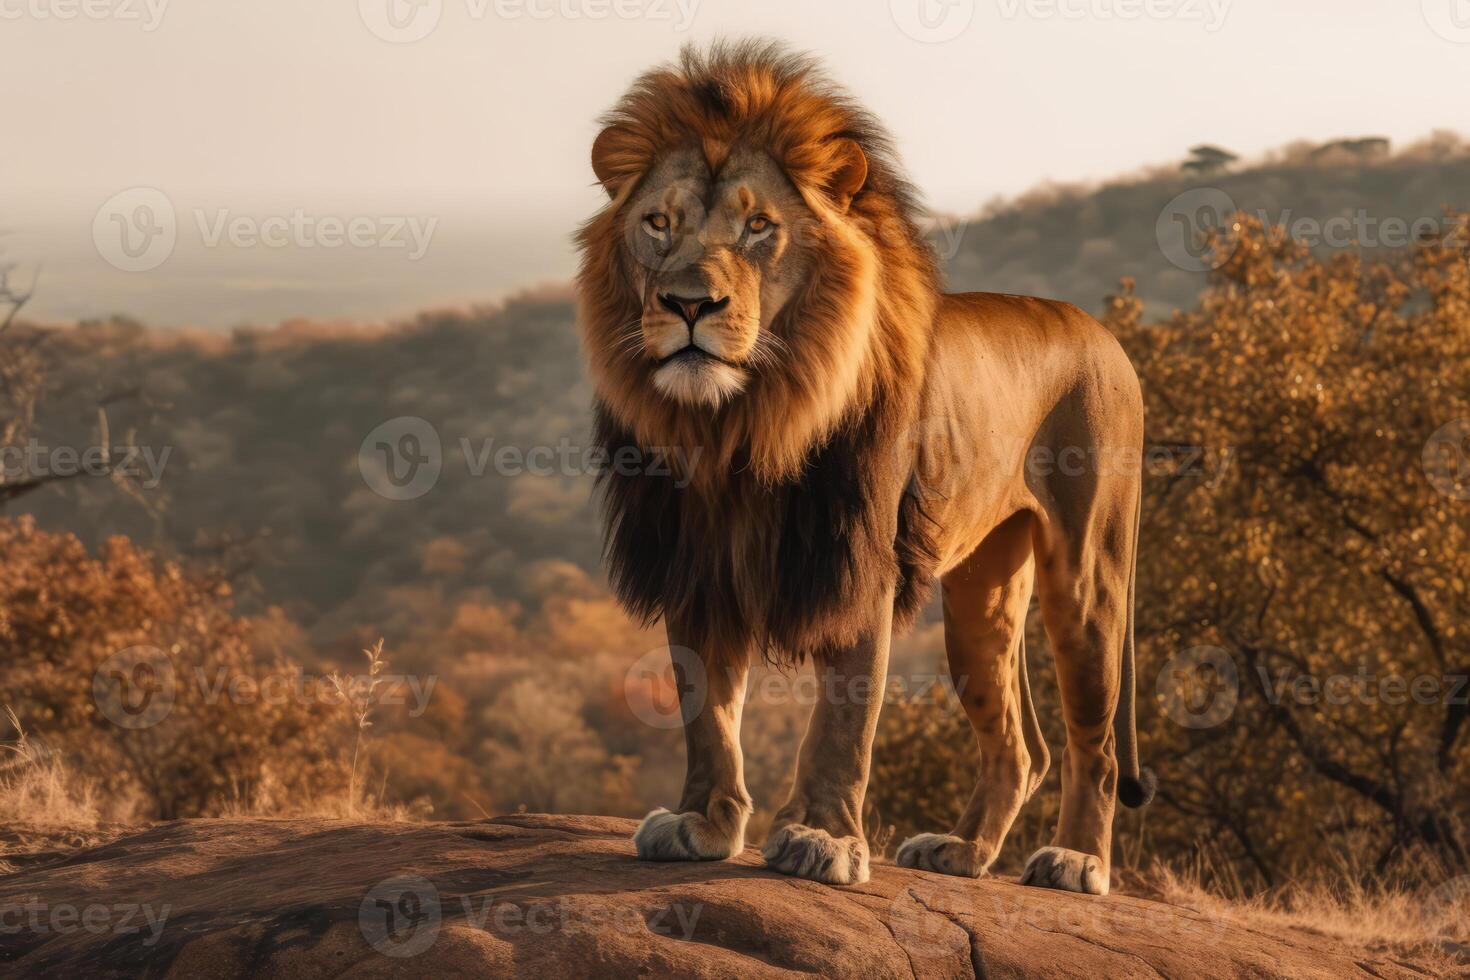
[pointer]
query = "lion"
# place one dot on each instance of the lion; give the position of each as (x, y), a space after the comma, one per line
(758, 296)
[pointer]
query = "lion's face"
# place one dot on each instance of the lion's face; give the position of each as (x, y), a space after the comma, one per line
(757, 278)
(716, 257)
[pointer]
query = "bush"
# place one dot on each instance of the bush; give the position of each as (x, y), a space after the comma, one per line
(142, 676)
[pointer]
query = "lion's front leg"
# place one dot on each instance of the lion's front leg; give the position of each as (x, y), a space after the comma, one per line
(818, 834)
(710, 822)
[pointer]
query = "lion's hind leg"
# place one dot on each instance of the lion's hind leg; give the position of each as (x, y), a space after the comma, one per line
(1085, 559)
(985, 603)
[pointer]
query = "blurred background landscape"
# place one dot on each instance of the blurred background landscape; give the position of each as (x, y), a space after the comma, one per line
(1299, 313)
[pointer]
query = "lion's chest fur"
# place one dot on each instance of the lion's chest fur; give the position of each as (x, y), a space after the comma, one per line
(791, 568)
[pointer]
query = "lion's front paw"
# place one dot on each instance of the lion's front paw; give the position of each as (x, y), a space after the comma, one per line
(1072, 871)
(667, 836)
(807, 852)
(944, 853)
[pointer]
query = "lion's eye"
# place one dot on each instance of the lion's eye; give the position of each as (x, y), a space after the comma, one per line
(758, 229)
(657, 223)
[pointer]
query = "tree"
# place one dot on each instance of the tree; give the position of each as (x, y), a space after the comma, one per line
(22, 381)
(20, 377)
(1323, 549)
(1208, 161)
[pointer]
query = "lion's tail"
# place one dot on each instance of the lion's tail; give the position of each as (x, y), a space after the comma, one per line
(1136, 785)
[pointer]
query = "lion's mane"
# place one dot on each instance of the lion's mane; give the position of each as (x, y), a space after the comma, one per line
(801, 510)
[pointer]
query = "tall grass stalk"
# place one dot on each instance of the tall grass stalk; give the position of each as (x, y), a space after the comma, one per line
(360, 699)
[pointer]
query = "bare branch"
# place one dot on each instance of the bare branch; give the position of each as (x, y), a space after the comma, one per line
(13, 491)
(11, 297)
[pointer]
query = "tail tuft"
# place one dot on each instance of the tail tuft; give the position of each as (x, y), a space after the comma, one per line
(1134, 793)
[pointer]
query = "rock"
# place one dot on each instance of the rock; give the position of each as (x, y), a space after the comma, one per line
(562, 897)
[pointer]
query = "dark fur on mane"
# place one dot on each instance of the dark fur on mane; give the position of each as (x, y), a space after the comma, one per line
(826, 547)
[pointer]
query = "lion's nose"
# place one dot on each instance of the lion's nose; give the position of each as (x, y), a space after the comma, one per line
(691, 310)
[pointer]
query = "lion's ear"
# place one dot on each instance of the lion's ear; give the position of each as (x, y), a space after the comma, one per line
(850, 173)
(614, 158)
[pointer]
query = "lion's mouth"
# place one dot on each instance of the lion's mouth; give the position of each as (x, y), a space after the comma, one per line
(694, 376)
(692, 356)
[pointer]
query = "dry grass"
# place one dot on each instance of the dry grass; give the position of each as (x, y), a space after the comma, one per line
(1429, 926)
(40, 798)
(36, 788)
(358, 695)
(368, 807)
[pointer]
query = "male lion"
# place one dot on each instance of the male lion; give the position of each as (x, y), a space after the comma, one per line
(757, 301)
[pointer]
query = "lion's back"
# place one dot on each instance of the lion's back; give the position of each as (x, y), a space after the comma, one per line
(1030, 343)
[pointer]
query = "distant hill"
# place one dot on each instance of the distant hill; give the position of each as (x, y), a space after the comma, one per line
(265, 426)
(263, 432)
(1074, 243)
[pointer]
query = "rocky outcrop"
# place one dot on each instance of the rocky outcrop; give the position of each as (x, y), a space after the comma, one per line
(563, 897)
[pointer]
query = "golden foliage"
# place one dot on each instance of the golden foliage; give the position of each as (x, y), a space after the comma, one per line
(65, 616)
(1318, 546)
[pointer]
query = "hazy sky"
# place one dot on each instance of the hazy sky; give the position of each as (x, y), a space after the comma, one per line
(326, 105)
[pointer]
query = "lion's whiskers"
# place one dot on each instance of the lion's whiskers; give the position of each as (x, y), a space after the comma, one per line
(768, 350)
(631, 343)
